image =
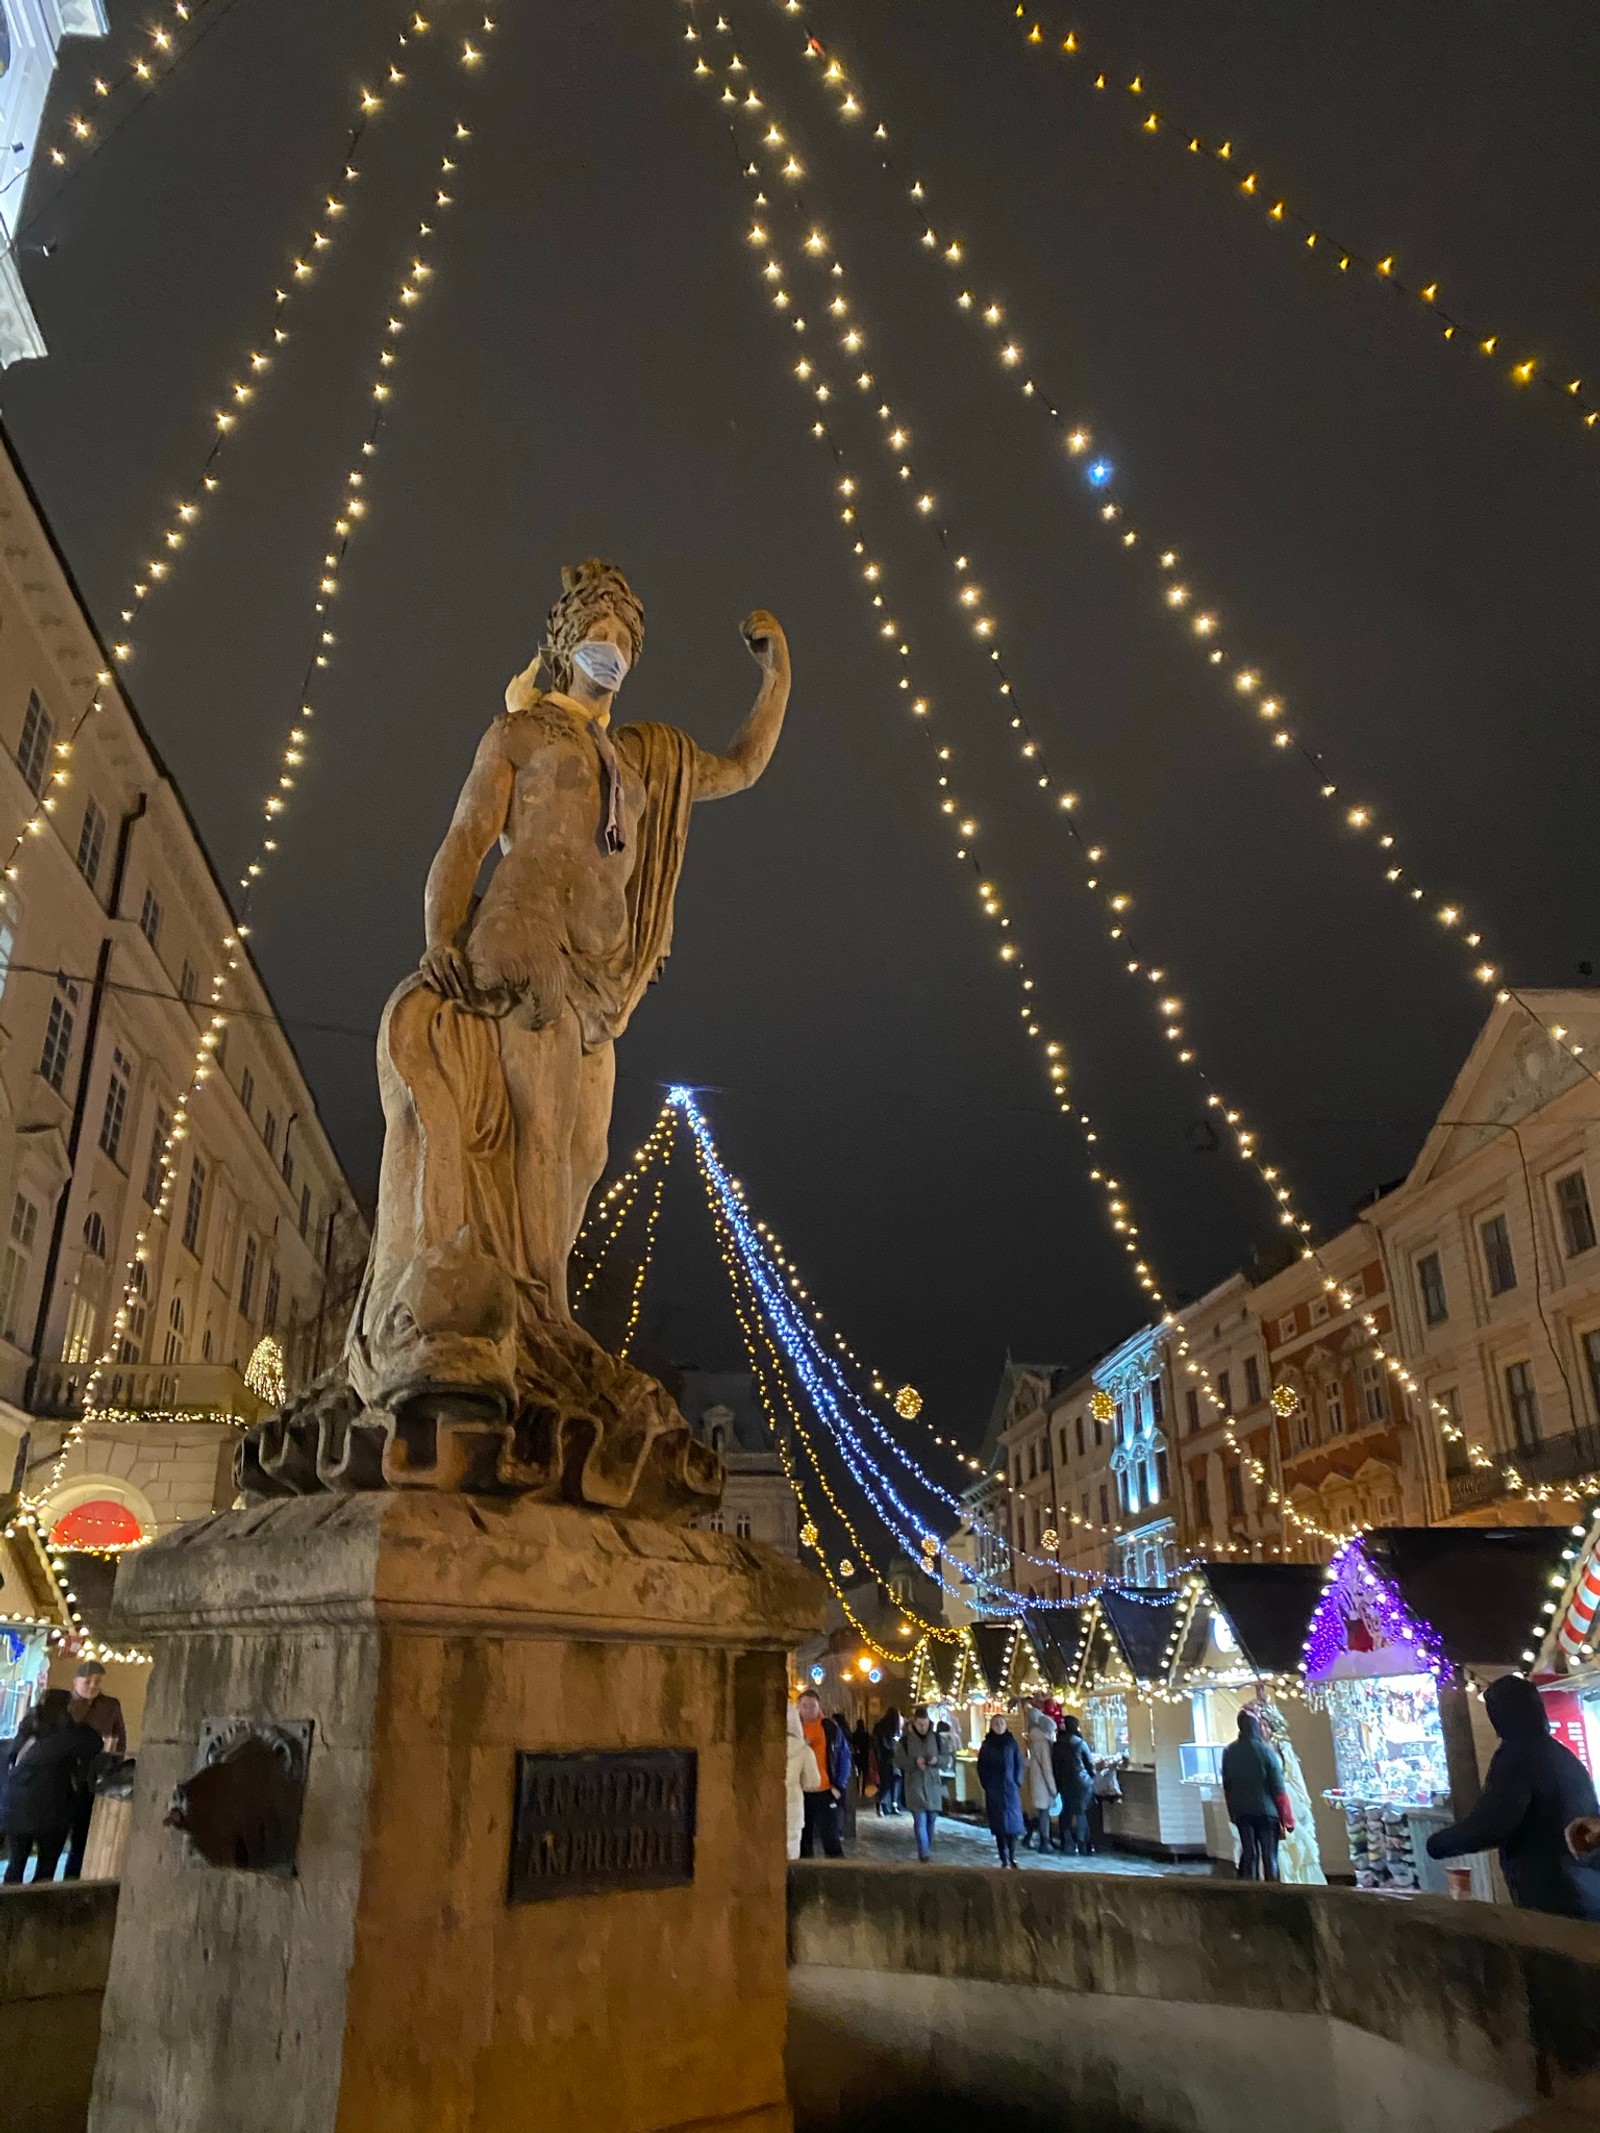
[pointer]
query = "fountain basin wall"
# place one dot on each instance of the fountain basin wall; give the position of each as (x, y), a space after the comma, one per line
(1106, 2003)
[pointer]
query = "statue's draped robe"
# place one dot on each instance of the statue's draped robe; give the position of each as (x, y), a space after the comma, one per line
(459, 1160)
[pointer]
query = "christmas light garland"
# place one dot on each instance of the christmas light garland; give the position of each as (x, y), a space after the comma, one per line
(1065, 801)
(814, 381)
(350, 511)
(1258, 198)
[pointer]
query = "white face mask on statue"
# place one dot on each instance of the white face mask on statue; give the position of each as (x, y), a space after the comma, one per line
(606, 665)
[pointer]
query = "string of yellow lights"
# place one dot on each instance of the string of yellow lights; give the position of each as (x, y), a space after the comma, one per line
(241, 398)
(1065, 801)
(1260, 200)
(642, 1270)
(1202, 625)
(618, 1202)
(809, 372)
(150, 56)
(350, 512)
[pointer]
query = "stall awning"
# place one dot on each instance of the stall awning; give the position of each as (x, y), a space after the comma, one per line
(1479, 1586)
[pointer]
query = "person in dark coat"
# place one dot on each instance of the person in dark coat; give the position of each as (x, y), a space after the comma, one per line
(1534, 1788)
(885, 1740)
(1257, 1801)
(1074, 1769)
(1000, 1765)
(46, 1777)
(861, 1754)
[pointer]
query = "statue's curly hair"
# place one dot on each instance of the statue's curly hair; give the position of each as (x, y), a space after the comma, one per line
(589, 589)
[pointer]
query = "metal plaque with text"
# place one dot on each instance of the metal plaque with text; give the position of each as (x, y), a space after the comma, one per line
(602, 1820)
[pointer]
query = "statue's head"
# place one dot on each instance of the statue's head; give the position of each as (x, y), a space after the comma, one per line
(596, 600)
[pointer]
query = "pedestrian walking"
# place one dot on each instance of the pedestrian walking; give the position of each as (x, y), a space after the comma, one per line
(861, 1757)
(830, 1754)
(799, 1777)
(920, 1757)
(1257, 1803)
(885, 1740)
(91, 1706)
(1000, 1764)
(1039, 1782)
(1074, 1774)
(46, 1776)
(1535, 1790)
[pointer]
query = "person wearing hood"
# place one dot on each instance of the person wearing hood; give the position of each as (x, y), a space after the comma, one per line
(1000, 1766)
(1534, 1789)
(1258, 1806)
(920, 1759)
(1039, 1780)
(1074, 1774)
(800, 1777)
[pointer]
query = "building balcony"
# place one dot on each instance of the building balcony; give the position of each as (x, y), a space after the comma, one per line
(201, 1390)
(1552, 1459)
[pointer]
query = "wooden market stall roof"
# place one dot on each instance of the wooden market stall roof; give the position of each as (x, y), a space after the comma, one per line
(1268, 1606)
(1480, 1588)
(31, 1594)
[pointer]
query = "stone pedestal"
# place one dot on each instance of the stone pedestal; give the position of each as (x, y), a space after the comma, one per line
(389, 1984)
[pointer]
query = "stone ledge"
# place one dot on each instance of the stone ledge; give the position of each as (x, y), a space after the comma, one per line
(1509, 1997)
(456, 1565)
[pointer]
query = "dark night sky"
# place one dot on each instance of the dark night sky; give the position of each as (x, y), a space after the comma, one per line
(1407, 544)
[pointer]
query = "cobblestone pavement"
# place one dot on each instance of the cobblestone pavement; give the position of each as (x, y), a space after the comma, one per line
(886, 1840)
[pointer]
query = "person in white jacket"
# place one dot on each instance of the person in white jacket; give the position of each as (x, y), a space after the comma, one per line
(800, 1777)
(1039, 1776)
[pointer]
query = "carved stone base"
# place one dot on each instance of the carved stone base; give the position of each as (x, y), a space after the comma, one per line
(411, 1972)
(587, 1429)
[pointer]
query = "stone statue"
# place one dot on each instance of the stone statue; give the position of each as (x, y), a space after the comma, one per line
(464, 1368)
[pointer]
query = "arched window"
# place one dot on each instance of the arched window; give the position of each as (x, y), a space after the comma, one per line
(94, 1235)
(173, 1352)
(719, 1437)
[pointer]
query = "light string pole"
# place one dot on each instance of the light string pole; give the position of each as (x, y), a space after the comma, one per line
(807, 372)
(350, 511)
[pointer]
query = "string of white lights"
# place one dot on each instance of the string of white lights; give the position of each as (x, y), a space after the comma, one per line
(810, 373)
(350, 512)
(1200, 620)
(1061, 798)
(241, 399)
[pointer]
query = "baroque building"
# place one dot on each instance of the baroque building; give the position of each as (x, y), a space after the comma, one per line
(1492, 1244)
(111, 920)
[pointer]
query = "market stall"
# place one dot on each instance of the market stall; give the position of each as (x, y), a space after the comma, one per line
(1411, 1624)
(1237, 1647)
(1135, 1723)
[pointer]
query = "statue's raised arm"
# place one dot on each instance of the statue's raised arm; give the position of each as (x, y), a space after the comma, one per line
(751, 751)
